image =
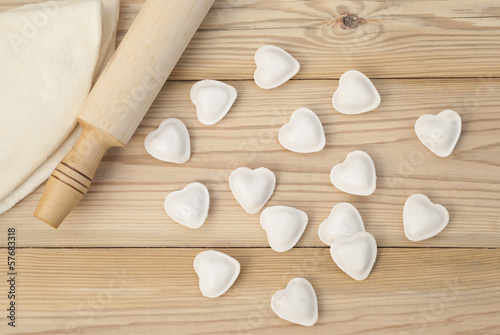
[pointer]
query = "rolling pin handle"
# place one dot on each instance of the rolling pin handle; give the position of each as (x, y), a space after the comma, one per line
(121, 97)
(71, 179)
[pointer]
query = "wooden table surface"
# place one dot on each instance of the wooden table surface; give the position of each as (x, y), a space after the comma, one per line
(120, 265)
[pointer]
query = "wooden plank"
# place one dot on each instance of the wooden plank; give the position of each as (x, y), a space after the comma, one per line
(125, 203)
(416, 290)
(396, 39)
(155, 291)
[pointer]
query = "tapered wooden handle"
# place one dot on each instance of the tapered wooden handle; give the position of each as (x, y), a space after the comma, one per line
(71, 179)
(121, 97)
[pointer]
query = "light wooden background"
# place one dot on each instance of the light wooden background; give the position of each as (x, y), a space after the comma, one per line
(120, 265)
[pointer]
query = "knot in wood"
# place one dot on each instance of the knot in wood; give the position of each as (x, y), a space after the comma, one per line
(351, 21)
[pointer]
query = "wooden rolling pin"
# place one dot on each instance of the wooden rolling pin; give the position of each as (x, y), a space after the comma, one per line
(121, 97)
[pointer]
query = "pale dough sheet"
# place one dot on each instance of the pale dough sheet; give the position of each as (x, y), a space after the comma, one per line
(16, 183)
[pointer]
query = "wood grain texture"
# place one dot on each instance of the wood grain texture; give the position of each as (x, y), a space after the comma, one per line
(396, 39)
(433, 38)
(124, 206)
(155, 291)
(424, 38)
(424, 56)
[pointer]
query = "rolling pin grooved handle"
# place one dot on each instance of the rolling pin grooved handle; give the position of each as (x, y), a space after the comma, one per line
(121, 97)
(68, 184)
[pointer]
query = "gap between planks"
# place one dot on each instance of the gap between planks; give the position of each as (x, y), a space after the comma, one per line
(338, 78)
(258, 248)
(156, 292)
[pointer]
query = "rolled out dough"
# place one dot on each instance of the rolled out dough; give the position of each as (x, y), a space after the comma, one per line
(108, 11)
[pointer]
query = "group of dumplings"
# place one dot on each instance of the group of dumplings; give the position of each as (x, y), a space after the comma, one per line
(352, 248)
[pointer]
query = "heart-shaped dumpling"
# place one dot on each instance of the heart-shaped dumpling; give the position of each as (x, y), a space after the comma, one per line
(284, 226)
(422, 218)
(344, 220)
(212, 99)
(356, 175)
(189, 206)
(439, 133)
(216, 271)
(252, 188)
(275, 66)
(355, 255)
(297, 303)
(304, 133)
(170, 142)
(356, 94)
